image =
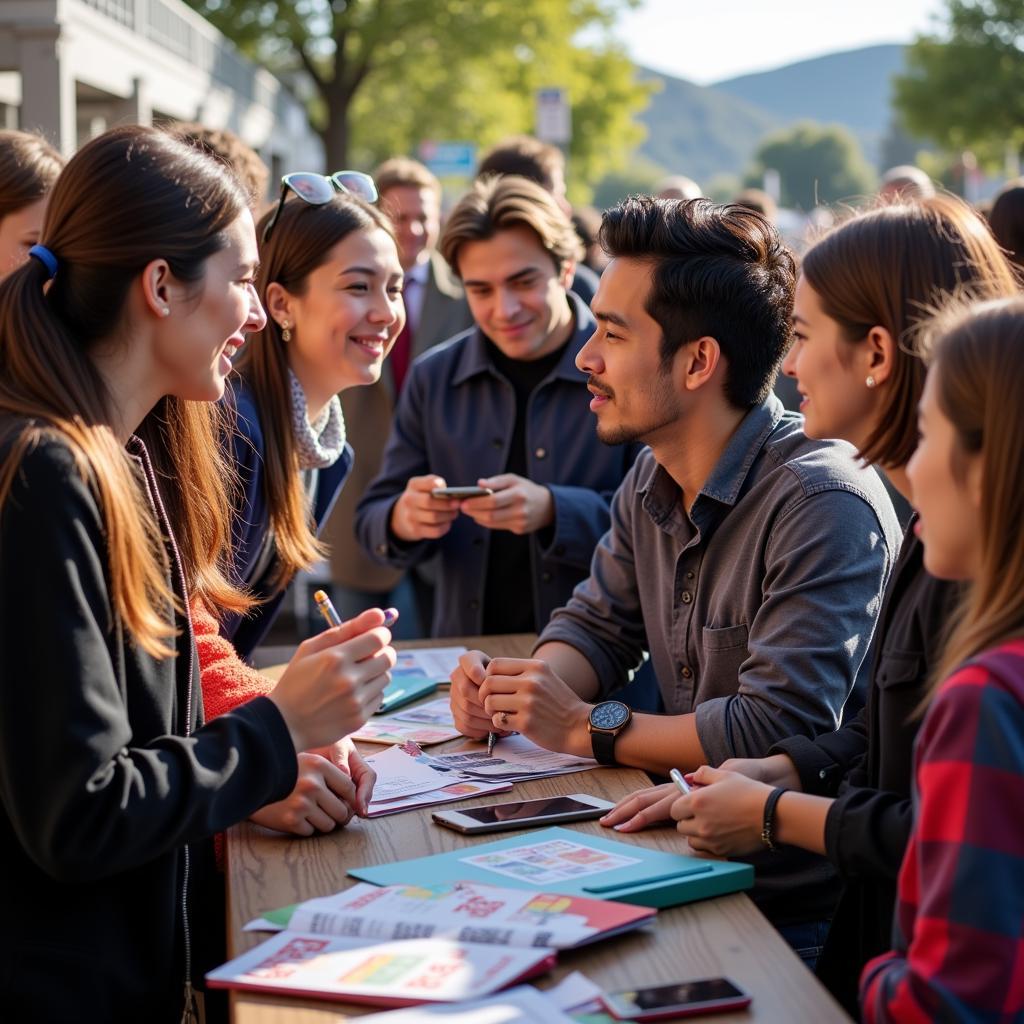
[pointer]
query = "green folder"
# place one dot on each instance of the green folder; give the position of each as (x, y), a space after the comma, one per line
(575, 863)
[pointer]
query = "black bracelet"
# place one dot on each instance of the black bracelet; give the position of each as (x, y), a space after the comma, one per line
(768, 823)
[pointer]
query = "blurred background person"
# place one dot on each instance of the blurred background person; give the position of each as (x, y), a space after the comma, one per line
(538, 161)
(29, 166)
(240, 158)
(1006, 220)
(905, 182)
(678, 186)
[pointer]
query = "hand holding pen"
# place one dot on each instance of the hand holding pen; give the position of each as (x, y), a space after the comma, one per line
(335, 680)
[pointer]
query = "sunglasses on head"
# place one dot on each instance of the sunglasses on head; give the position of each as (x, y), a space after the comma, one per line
(317, 189)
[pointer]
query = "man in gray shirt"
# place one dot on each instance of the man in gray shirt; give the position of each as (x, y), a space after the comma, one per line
(749, 558)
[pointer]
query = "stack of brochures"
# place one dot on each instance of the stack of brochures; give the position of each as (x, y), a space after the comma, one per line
(405, 944)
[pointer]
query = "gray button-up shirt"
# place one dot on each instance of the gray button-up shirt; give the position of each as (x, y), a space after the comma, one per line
(759, 605)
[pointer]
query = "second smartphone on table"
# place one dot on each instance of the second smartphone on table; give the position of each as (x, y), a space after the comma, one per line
(524, 813)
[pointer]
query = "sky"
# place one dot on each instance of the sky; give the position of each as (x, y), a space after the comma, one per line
(708, 40)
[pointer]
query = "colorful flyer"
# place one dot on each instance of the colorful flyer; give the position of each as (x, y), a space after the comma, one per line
(550, 862)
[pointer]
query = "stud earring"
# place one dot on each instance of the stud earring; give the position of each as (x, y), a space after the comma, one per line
(165, 311)
(286, 331)
(870, 381)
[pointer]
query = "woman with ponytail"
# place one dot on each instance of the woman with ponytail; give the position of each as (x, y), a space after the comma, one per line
(115, 341)
(959, 922)
(29, 166)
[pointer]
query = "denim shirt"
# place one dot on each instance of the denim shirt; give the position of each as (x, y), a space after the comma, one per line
(760, 604)
(455, 418)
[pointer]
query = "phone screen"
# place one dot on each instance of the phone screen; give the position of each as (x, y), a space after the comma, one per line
(683, 994)
(526, 809)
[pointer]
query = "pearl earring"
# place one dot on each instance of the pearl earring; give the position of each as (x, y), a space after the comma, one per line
(165, 311)
(286, 331)
(870, 381)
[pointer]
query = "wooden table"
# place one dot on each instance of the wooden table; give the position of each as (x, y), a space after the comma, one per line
(725, 936)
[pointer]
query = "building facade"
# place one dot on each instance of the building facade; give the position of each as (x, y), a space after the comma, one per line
(73, 68)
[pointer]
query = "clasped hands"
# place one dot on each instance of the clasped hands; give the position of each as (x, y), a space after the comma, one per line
(517, 504)
(518, 695)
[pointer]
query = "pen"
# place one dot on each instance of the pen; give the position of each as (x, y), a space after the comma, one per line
(677, 777)
(331, 616)
(492, 738)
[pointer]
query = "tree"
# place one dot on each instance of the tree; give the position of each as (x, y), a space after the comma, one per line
(388, 74)
(816, 164)
(964, 85)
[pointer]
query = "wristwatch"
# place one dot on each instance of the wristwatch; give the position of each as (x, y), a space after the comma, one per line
(606, 721)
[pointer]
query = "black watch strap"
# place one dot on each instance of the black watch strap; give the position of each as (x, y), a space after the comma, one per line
(604, 747)
(768, 823)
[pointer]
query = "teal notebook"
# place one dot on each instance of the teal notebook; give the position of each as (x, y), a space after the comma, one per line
(406, 686)
(560, 860)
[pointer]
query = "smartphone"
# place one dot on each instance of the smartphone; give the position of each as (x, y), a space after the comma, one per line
(523, 813)
(461, 492)
(682, 999)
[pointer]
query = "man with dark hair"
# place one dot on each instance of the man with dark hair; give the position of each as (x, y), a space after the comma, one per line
(527, 157)
(751, 557)
(502, 406)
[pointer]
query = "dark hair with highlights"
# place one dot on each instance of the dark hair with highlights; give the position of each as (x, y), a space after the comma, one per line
(126, 198)
(301, 241)
(717, 271)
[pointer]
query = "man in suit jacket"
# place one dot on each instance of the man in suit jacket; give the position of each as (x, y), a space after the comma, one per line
(436, 310)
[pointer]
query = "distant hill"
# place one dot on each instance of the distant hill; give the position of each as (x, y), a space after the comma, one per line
(701, 132)
(704, 131)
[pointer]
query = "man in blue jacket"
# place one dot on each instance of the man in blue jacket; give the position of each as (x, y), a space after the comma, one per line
(504, 407)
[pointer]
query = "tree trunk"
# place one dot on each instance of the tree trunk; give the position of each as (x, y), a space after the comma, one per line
(335, 134)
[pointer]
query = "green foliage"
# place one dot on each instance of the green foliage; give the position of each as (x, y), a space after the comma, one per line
(816, 164)
(964, 85)
(389, 74)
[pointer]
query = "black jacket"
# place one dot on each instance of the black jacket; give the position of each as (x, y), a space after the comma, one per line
(867, 765)
(111, 786)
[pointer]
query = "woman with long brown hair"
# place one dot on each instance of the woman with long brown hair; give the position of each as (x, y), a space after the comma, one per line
(959, 923)
(29, 166)
(863, 289)
(116, 338)
(331, 282)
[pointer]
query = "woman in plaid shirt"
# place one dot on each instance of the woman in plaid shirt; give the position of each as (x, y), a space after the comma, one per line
(959, 923)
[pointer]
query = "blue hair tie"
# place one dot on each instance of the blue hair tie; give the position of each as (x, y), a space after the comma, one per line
(45, 257)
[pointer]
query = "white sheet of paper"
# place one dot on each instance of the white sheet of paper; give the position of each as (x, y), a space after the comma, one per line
(515, 757)
(434, 712)
(456, 789)
(436, 663)
(399, 775)
(520, 1005)
(573, 991)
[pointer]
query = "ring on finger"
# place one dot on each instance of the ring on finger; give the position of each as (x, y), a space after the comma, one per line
(503, 718)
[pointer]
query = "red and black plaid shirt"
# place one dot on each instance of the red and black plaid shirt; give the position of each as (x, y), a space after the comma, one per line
(959, 927)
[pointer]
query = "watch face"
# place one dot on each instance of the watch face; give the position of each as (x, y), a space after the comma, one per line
(609, 715)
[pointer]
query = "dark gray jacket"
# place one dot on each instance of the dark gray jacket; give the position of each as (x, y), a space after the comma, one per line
(759, 606)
